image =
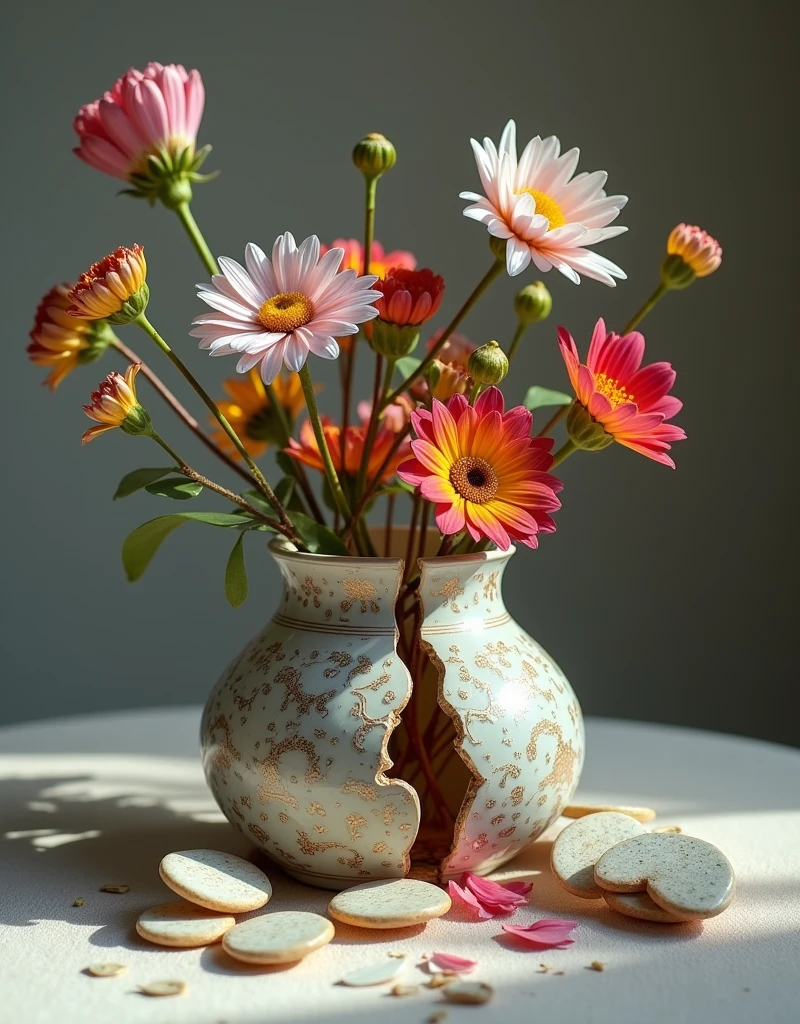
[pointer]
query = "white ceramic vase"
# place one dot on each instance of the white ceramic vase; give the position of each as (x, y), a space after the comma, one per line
(296, 733)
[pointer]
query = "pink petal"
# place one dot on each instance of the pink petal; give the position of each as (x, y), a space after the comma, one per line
(545, 933)
(465, 897)
(492, 895)
(451, 963)
(523, 888)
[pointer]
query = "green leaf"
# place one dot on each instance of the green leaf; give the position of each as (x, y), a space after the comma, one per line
(175, 487)
(319, 539)
(407, 365)
(236, 575)
(139, 547)
(138, 479)
(284, 489)
(538, 398)
(285, 462)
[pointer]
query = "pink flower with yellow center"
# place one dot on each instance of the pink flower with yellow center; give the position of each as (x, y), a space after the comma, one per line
(113, 403)
(112, 287)
(545, 213)
(696, 248)
(628, 401)
(381, 262)
(276, 311)
(159, 108)
(62, 342)
(483, 471)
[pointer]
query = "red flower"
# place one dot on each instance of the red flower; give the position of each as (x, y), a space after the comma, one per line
(410, 297)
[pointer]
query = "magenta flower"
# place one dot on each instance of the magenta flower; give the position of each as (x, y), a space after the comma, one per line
(150, 113)
(544, 934)
(489, 898)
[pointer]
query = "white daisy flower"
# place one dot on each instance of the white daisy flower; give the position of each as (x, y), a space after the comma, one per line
(277, 311)
(547, 215)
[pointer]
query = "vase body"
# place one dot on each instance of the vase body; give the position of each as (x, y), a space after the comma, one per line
(300, 733)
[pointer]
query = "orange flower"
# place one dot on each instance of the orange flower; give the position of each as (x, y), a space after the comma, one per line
(381, 262)
(114, 288)
(115, 404)
(306, 449)
(60, 341)
(250, 412)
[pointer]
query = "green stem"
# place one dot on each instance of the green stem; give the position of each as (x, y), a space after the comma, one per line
(557, 416)
(564, 452)
(330, 470)
(491, 274)
(260, 479)
(382, 384)
(645, 309)
(192, 474)
(369, 222)
(196, 237)
(521, 328)
(476, 390)
(297, 469)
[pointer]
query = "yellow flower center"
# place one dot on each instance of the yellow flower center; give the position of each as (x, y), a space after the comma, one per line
(286, 312)
(611, 389)
(547, 207)
(474, 479)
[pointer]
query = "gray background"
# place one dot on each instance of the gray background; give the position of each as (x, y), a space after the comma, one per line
(665, 596)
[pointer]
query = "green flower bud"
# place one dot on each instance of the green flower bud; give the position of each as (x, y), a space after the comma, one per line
(175, 191)
(488, 364)
(98, 338)
(374, 155)
(393, 340)
(584, 431)
(533, 303)
(137, 421)
(132, 308)
(676, 272)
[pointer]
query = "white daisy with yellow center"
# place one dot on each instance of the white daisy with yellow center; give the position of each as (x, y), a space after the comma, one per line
(275, 311)
(546, 213)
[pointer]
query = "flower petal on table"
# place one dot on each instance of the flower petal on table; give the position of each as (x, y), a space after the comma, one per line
(544, 934)
(493, 895)
(451, 963)
(465, 897)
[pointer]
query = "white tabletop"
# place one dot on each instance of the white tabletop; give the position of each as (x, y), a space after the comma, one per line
(100, 799)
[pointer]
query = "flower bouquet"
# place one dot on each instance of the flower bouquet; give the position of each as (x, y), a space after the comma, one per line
(391, 715)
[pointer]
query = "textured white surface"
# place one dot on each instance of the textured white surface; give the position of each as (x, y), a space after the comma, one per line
(101, 800)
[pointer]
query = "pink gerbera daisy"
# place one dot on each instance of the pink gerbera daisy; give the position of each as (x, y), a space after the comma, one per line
(483, 470)
(546, 215)
(631, 402)
(275, 311)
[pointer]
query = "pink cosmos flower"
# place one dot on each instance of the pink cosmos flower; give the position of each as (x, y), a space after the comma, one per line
(630, 401)
(483, 471)
(276, 311)
(545, 934)
(145, 111)
(489, 898)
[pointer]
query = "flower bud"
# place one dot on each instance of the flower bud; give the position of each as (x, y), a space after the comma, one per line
(584, 431)
(374, 155)
(392, 340)
(114, 404)
(532, 303)
(691, 253)
(137, 421)
(114, 289)
(446, 380)
(488, 364)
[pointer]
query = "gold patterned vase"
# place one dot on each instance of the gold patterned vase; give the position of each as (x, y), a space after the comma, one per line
(391, 721)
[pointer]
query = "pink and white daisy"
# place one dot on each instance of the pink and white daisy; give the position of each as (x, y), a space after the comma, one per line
(276, 311)
(546, 215)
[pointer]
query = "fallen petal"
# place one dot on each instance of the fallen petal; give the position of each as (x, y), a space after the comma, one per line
(466, 898)
(500, 899)
(522, 888)
(451, 963)
(543, 934)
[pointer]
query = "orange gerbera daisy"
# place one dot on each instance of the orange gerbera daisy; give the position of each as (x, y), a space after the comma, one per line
(251, 414)
(347, 456)
(61, 341)
(483, 471)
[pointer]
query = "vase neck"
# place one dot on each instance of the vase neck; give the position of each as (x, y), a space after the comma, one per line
(456, 591)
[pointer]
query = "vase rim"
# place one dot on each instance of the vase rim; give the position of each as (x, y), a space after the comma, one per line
(281, 546)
